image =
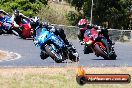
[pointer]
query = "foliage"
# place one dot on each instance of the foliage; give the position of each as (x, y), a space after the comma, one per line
(27, 7)
(76, 3)
(56, 13)
(56, 77)
(114, 13)
(72, 17)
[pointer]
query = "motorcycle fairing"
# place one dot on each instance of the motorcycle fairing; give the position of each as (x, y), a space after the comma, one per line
(6, 22)
(26, 27)
(47, 35)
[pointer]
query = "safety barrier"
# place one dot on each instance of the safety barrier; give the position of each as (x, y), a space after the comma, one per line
(115, 34)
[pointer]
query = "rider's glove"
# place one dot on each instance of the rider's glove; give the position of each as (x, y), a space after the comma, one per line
(36, 43)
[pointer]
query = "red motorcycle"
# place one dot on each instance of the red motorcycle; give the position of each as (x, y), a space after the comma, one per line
(25, 30)
(98, 44)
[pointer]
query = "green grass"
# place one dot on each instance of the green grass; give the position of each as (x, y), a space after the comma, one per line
(64, 78)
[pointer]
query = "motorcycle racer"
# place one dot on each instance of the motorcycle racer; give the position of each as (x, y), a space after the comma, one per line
(102, 31)
(17, 17)
(35, 23)
(82, 24)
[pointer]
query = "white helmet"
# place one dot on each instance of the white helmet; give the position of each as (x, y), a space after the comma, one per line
(35, 19)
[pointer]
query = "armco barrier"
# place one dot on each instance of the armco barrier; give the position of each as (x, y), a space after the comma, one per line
(115, 34)
(120, 35)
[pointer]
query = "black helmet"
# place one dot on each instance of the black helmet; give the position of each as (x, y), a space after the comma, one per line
(16, 12)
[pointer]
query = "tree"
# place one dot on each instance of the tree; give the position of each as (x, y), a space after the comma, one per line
(27, 7)
(76, 3)
(116, 13)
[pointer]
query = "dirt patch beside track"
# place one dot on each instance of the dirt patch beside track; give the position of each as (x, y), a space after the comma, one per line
(5, 55)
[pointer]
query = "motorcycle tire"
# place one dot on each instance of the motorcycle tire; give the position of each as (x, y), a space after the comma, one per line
(99, 51)
(9, 31)
(52, 55)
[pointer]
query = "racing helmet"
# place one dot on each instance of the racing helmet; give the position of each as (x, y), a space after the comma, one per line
(16, 12)
(35, 21)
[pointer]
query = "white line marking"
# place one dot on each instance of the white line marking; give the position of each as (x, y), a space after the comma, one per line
(18, 56)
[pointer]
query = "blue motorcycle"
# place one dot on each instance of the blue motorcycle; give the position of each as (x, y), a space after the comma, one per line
(53, 46)
(5, 24)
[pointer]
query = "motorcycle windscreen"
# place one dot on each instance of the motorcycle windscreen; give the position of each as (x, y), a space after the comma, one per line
(88, 33)
(40, 31)
(42, 35)
(25, 21)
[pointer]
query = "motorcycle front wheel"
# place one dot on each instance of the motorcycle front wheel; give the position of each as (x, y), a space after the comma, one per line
(57, 57)
(100, 52)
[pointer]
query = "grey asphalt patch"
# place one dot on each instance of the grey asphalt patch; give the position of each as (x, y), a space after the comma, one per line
(30, 54)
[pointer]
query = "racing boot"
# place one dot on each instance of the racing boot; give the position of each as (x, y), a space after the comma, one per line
(43, 55)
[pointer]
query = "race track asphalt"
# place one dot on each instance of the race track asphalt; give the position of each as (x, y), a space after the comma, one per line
(30, 54)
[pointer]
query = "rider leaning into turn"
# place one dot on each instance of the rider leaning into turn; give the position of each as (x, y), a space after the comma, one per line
(83, 26)
(17, 17)
(104, 32)
(37, 25)
(57, 31)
